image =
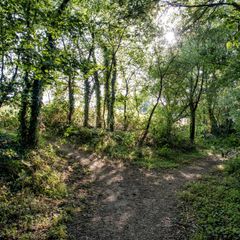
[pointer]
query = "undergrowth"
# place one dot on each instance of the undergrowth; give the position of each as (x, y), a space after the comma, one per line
(227, 146)
(32, 191)
(213, 204)
(123, 145)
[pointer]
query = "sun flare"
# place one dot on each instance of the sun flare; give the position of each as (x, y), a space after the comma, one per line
(170, 38)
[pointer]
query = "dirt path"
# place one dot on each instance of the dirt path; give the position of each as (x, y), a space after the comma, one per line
(129, 203)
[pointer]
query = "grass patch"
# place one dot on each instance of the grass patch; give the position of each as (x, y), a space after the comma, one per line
(213, 203)
(166, 158)
(153, 163)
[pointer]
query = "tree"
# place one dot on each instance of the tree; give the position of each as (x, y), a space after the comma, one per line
(159, 71)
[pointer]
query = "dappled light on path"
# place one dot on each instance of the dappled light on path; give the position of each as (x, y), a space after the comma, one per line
(126, 202)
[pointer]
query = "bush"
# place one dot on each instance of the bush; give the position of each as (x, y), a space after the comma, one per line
(29, 203)
(8, 118)
(233, 167)
(165, 151)
(42, 174)
(10, 155)
(54, 117)
(124, 138)
(82, 135)
(117, 144)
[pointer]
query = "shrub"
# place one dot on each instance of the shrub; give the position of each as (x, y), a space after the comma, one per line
(54, 117)
(82, 135)
(29, 203)
(233, 167)
(165, 151)
(9, 118)
(41, 173)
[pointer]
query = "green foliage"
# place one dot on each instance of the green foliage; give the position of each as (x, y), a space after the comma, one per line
(8, 118)
(166, 157)
(155, 163)
(42, 174)
(29, 200)
(233, 167)
(122, 145)
(176, 139)
(222, 145)
(214, 203)
(27, 216)
(59, 232)
(83, 136)
(55, 117)
(9, 155)
(119, 144)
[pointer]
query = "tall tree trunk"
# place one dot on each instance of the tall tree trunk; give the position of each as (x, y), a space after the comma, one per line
(98, 94)
(70, 99)
(125, 121)
(194, 101)
(2, 64)
(23, 128)
(212, 119)
(36, 103)
(86, 102)
(29, 132)
(98, 101)
(192, 123)
(106, 86)
(23, 118)
(145, 133)
(148, 124)
(106, 104)
(169, 125)
(113, 97)
(213, 122)
(87, 92)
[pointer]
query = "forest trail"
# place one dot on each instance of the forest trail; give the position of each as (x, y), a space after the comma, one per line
(125, 202)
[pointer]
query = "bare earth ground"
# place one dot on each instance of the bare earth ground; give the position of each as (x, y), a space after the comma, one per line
(128, 203)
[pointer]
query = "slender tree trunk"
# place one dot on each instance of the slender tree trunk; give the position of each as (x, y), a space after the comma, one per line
(106, 86)
(148, 124)
(213, 121)
(193, 103)
(36, 104)
(23, 114)
(23, 128)
(112, 100)
(2, 64)
(87, 92)
(86, 102)
(70, 99)
(98, 101)
(125, 121)
(169, 124)
(98, 95)
(192, 123)
(107, 103)
(145, 133)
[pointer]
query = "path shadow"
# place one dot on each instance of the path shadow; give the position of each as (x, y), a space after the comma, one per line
(128, 203)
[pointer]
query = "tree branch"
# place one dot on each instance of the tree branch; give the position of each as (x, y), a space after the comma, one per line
(217, 4)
